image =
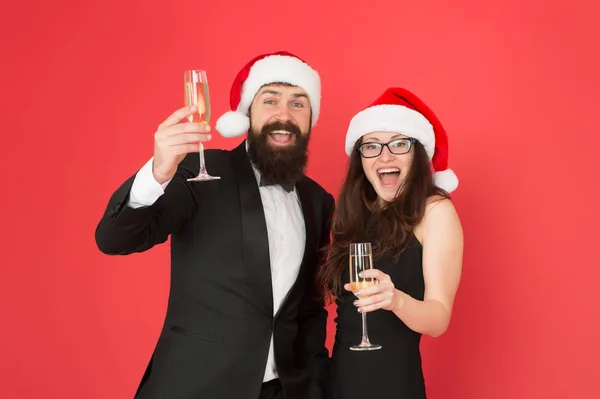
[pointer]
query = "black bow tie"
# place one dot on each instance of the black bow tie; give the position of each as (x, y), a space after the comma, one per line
(287, 186)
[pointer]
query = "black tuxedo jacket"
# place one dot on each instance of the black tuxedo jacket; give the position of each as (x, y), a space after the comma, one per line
(216, 335)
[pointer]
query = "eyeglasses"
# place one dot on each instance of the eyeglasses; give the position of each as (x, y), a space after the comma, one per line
(396, 147)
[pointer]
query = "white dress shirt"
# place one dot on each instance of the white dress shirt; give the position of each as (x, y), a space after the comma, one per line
(285, 229)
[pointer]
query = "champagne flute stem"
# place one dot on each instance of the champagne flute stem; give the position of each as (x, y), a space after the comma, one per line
(365, 335)
(202, 166)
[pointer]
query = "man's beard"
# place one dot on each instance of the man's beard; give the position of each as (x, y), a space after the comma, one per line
(278, 165)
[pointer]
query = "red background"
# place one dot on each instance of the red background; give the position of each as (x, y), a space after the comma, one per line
(84, 86)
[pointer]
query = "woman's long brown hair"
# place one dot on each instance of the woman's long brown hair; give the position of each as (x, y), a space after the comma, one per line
(359, 216)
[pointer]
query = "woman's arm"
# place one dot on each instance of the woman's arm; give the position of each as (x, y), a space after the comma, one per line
(442, 240)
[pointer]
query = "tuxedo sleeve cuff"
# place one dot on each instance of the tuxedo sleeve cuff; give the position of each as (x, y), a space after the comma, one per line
(145, 190)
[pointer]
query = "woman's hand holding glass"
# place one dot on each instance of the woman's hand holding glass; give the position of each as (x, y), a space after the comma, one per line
(382, 295)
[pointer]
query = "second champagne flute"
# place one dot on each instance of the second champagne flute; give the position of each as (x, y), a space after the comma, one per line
(361, 258)
(196, 93)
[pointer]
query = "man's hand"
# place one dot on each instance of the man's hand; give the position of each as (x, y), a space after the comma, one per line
(174, 140)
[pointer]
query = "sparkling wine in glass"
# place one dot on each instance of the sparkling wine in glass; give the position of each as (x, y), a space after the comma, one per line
(196, 93)
(361, 258)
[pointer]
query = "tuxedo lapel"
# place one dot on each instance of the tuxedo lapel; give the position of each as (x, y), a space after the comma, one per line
(254, 231)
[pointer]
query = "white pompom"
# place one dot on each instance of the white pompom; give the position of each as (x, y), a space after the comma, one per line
(232, 124)
(446, 180)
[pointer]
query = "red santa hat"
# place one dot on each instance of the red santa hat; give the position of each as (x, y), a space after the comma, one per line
(275, 67)
(398, 110)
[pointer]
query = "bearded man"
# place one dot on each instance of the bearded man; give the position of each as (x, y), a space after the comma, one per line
(244, 318)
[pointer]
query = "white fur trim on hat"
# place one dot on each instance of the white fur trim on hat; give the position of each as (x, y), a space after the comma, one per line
(391, 118)
(446, 180)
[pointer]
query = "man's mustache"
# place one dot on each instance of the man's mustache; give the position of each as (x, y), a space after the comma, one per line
(287, 126)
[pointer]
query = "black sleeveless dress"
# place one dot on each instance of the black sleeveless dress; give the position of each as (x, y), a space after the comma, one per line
(394, 371)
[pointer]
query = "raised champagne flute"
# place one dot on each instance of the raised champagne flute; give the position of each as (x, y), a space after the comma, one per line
(361, 258)
(196, 93)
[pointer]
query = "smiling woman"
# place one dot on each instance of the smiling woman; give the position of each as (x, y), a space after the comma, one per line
(392, 199)
(387, 169)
